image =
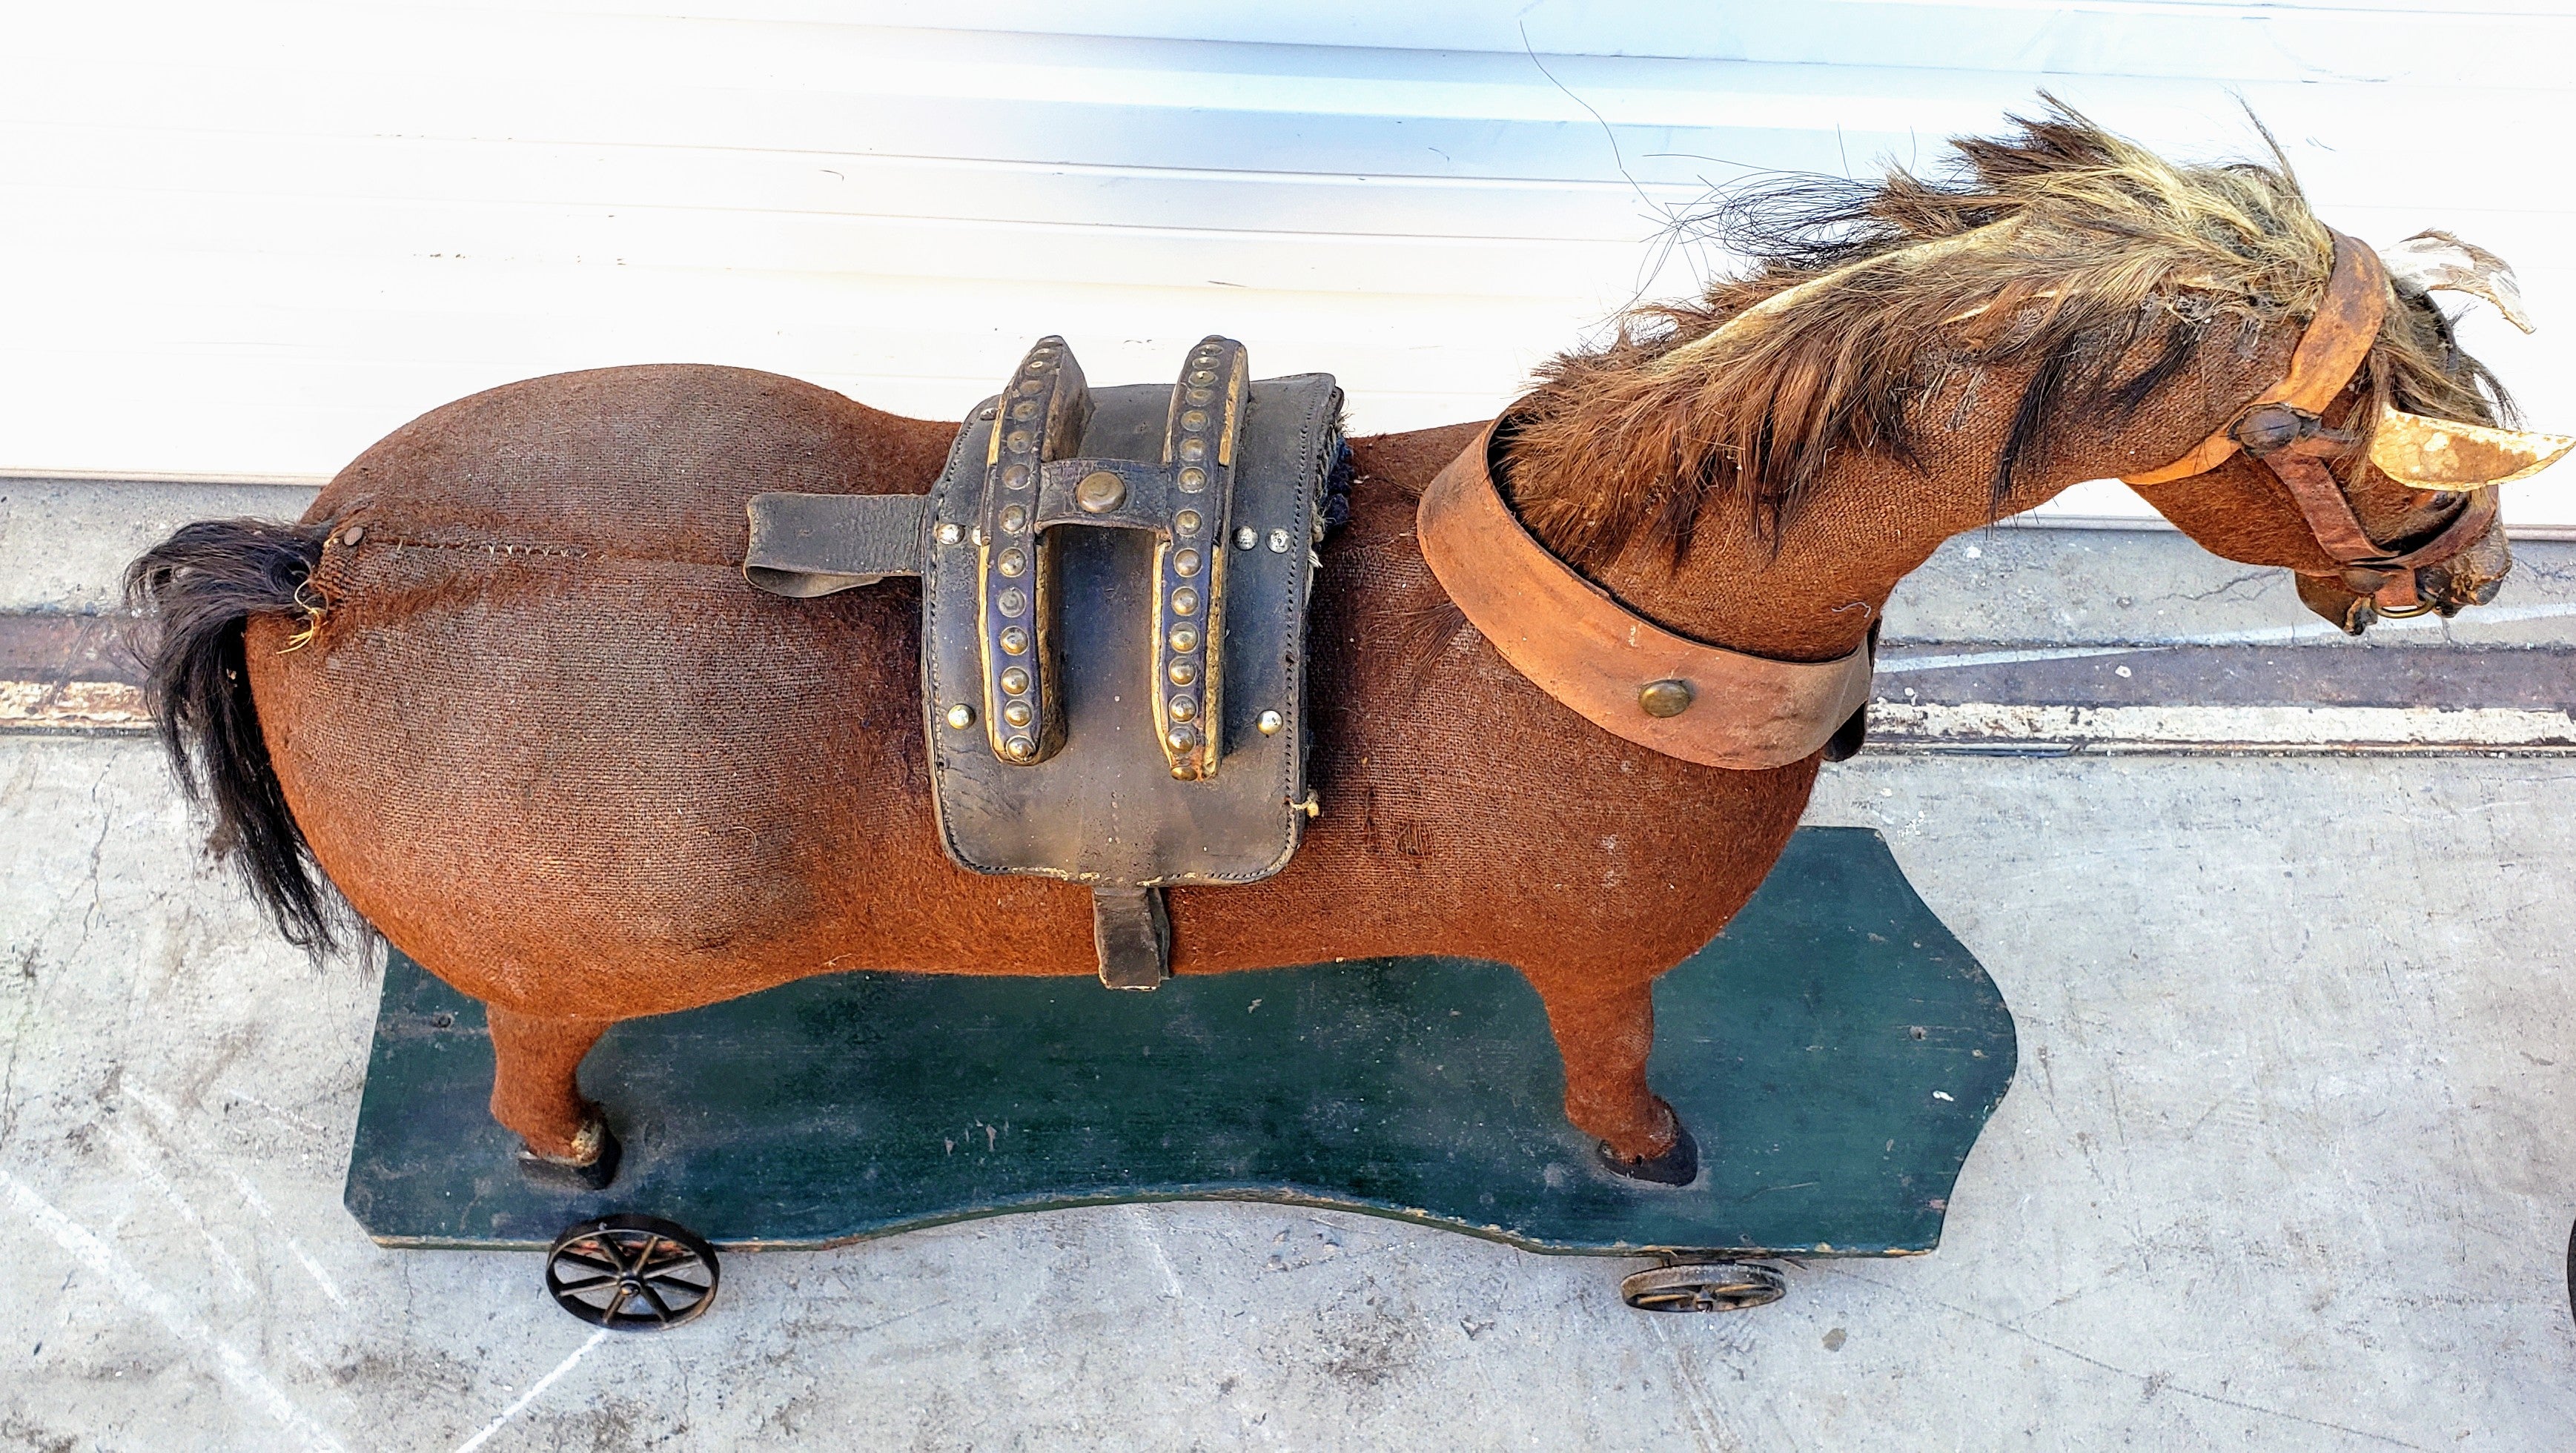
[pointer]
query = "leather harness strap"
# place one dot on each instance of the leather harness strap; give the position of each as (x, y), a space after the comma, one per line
(1618, 670)
(2388, 578)
(2284, 428)
(2337, 342)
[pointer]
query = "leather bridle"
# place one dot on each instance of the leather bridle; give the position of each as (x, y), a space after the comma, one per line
(2285, 428)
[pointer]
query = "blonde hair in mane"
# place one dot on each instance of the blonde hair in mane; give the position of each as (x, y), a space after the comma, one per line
(2060, 249)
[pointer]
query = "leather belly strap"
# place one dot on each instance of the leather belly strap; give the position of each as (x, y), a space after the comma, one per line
(1114, 590)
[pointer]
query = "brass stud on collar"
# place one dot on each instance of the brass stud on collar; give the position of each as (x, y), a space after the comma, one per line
(1020, 748)
(961, 716)
(949, 534)
(1270, 722)
(1665, 698)
(1246, 537)
(1100, 492)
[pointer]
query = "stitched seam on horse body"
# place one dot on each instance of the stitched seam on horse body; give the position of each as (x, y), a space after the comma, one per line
(566, 552)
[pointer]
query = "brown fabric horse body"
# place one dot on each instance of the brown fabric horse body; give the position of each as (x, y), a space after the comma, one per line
(537, 730)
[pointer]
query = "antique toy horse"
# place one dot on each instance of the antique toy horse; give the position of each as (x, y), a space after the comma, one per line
(506, 687)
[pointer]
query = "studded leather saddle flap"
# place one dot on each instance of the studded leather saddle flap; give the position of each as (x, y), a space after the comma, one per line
(1114, 592)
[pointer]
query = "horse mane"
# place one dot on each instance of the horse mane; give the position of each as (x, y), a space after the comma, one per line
(2059, 249)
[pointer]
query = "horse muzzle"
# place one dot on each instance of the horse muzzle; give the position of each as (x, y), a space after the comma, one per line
(2363, 594)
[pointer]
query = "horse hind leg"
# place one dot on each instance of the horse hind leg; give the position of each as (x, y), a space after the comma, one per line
(1604, 1032)
(535, 1093)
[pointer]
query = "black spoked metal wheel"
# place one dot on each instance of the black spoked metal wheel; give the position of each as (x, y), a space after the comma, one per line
(632, 1273)
(1711, 1286)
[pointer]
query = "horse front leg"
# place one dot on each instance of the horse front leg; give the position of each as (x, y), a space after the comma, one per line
(535, 1092)
(1604, 1031)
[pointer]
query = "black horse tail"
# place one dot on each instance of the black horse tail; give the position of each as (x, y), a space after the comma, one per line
(201, 585)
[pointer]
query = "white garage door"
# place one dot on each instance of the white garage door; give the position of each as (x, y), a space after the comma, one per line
(246, 239)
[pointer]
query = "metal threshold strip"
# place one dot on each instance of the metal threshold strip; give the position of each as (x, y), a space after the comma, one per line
(1993, 729)
(2226, 697)
(68, 674)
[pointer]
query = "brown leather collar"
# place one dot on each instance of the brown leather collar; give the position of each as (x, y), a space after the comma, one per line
(1616, 669)
(2284, 428)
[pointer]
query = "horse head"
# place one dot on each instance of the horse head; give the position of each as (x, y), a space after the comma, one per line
(2410, 443)
(1923, 354)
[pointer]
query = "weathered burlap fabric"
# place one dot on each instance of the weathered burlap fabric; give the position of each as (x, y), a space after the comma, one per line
(549, 741)
(547, 736)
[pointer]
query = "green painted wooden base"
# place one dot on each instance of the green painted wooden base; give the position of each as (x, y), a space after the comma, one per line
(1836, 1052)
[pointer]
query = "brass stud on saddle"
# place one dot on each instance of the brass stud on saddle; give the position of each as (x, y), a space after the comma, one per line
(1100, 492)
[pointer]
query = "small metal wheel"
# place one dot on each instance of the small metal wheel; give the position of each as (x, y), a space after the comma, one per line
(1703, 1286)
(631, 1273)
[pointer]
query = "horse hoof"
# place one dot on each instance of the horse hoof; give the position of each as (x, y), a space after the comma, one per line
(593, 1174)
(1678, 1166)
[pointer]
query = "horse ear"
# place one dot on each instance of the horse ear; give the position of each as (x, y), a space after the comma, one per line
(2440, 454)
(2430, 260)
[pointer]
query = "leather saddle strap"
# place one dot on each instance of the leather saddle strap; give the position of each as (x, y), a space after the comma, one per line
(1185, 502)
(1033, 483)
(1618, 670)
(1043, 411)
(1199, 445)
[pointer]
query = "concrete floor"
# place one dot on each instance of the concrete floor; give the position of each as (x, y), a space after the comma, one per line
(2289, 1165)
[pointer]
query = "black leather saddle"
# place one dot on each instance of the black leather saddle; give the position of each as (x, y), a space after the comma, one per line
(1114, 590)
